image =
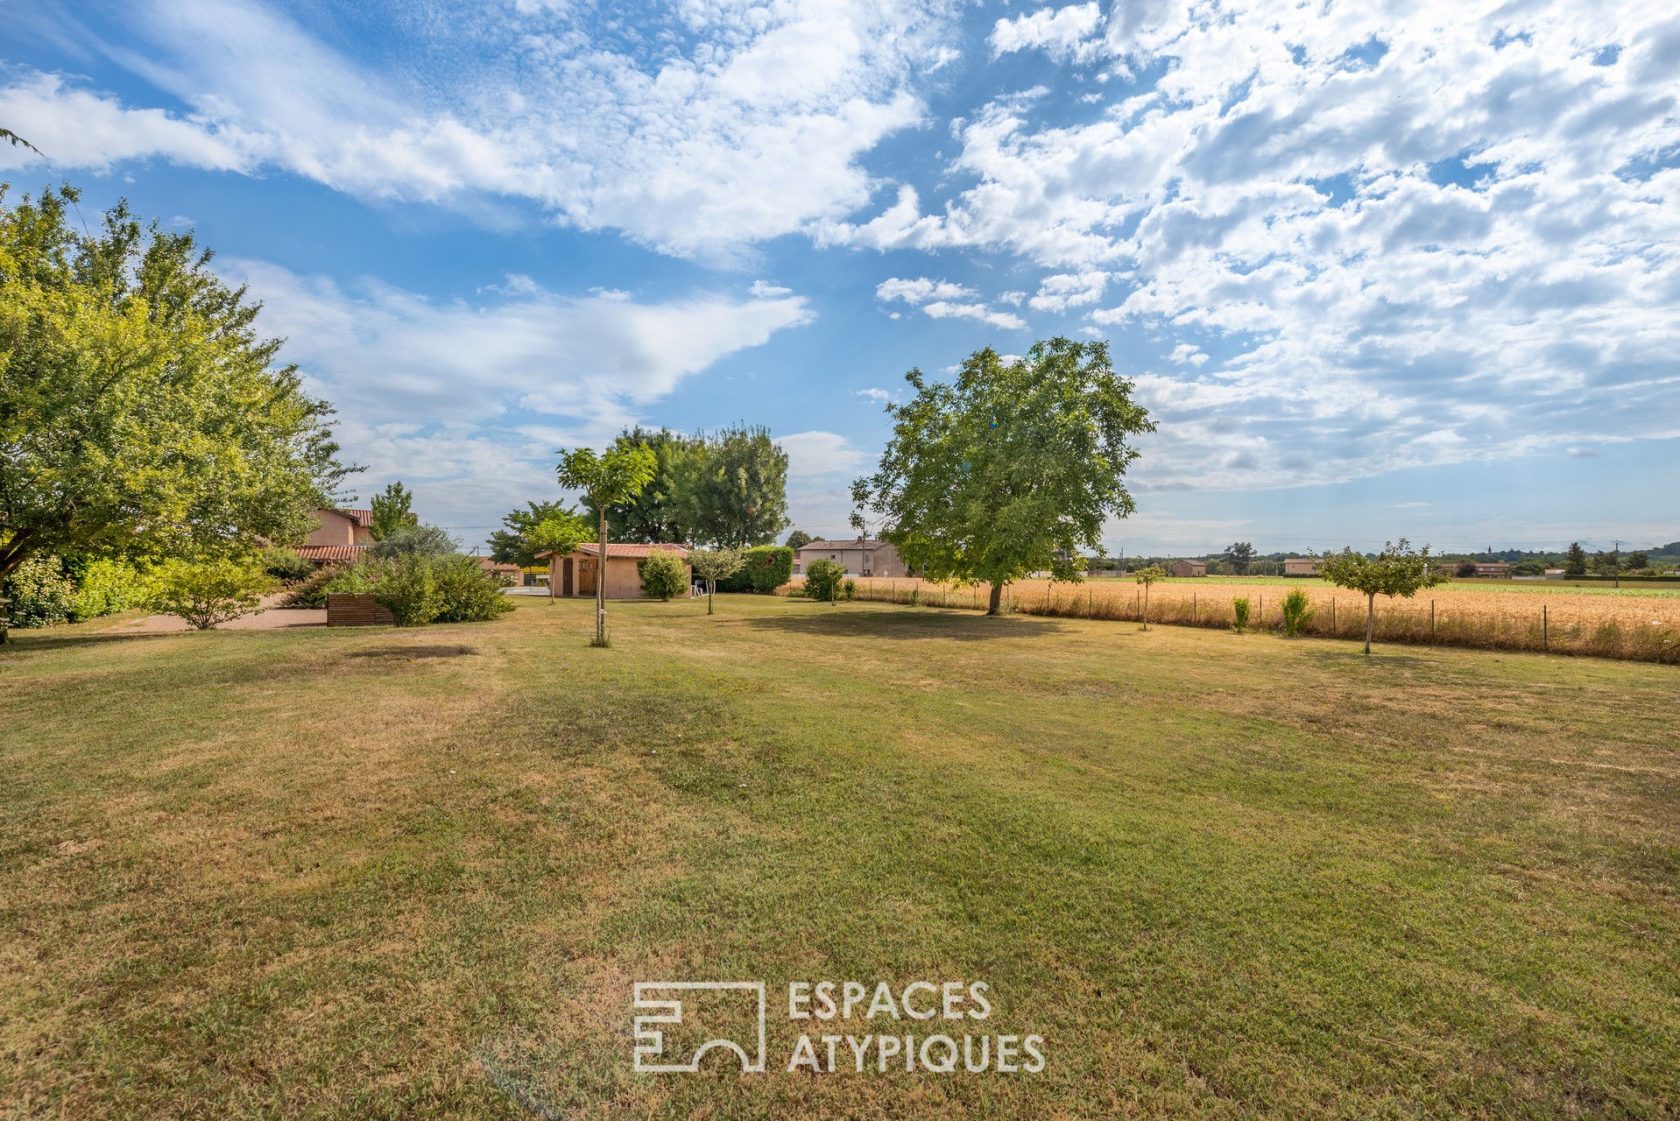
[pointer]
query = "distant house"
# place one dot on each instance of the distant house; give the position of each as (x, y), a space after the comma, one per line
(1300, 566)
(341, 536)
(860, 557)
(512, 574)
(1492, 568)
(1188, 568)
(575, 574)
(1554, 574)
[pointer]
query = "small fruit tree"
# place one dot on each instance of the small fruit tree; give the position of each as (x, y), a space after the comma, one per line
(714, 565)
(1399, 570)
(1146, 577)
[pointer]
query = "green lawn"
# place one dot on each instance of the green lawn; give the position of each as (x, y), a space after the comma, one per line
(381, 873)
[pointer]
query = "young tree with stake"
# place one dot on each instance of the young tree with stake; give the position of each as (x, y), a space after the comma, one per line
(716, 564)
(1398, 570)
(615, 476)
(1146, 577)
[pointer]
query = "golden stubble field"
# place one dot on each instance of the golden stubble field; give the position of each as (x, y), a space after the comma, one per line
(1641, 624)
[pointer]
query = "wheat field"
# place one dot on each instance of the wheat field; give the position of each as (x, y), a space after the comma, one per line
(1641, 625)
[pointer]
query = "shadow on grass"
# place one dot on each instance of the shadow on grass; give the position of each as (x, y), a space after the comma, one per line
(411, 653)
(46, 640)
(909, 623)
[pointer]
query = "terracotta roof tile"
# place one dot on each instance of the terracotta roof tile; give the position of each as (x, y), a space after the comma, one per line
(330, 552)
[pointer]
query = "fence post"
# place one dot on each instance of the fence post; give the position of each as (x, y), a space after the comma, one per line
(1432, 620)
(1545, 628)
(1194, 614)
(1260, 613)
(1333, 631)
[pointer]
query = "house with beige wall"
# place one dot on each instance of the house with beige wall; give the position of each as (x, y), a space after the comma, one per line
(575, 573)
(860, 557)
(1300, 566)
(342, 535)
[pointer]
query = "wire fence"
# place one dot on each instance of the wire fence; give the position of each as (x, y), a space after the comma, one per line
(1627, 627)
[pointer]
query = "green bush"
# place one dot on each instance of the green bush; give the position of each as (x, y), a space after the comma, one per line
(465, 593)
(208, 591)
(285, 565)
(663, 574)
(1297, 609)
(106, 587)
(415, 541)
(848, 590)
(406, 586)
(312, 591)
(41, 594)
(767, 568)
(1241, 609)
(822, 579)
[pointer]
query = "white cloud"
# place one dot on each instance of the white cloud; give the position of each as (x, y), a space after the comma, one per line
(942, 299)
(1063, 291)
(1450, 236)
(813, 455)
(919, 290)
(874, 394)
(426, 388)
(1059, 32)
(703, 129)
(765, 290)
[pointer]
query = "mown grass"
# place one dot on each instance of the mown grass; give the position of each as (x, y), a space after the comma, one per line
(383, 873)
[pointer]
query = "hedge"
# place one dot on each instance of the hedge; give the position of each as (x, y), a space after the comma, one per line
(767, 568)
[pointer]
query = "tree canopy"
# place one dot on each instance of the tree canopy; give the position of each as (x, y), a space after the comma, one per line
(1399, 570)
(393, 511)
(140, 409)
(733, 489)
(1011, 468)
(653, 514)
(1239, 555)
(798, 539)
(512, 543)
(611, 478)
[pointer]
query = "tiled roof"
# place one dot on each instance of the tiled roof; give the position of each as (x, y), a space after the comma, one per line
(330, 552)
(361, 517)
(637, 551)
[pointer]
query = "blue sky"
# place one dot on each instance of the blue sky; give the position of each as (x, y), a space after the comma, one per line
(1378, 269)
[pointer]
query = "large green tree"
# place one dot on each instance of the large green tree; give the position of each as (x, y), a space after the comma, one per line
(141, 412)
(1011, 468)
(615, 476)
(654, 514)
(1239, 555)
(512, 543)
(733, 489)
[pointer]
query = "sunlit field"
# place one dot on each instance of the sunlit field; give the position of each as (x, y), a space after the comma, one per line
(371, 873)
(1639, 623)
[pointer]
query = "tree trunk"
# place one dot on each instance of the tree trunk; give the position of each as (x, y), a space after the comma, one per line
(1146, 607)
(601, 581)
(711, 593)
(1370, 619)
(994, 605)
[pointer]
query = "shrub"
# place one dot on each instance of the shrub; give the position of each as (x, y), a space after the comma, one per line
(1241, 609)
(1297, 609)
(414, 541)
(285, 565)
(406, 587)
(208, 591)
(822, 579)
(465, 593)
(663, 574)
(766, 568)
(41, 594)
(106, 587)
(312, 591)
(848, 590)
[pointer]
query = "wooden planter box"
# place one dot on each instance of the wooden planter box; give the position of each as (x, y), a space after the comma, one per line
(356, 609)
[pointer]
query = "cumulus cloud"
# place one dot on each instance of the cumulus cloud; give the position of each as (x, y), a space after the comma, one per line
(435, 390)
(1059, 32)
(942, 299)
(697, 130)
(1420, 240)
